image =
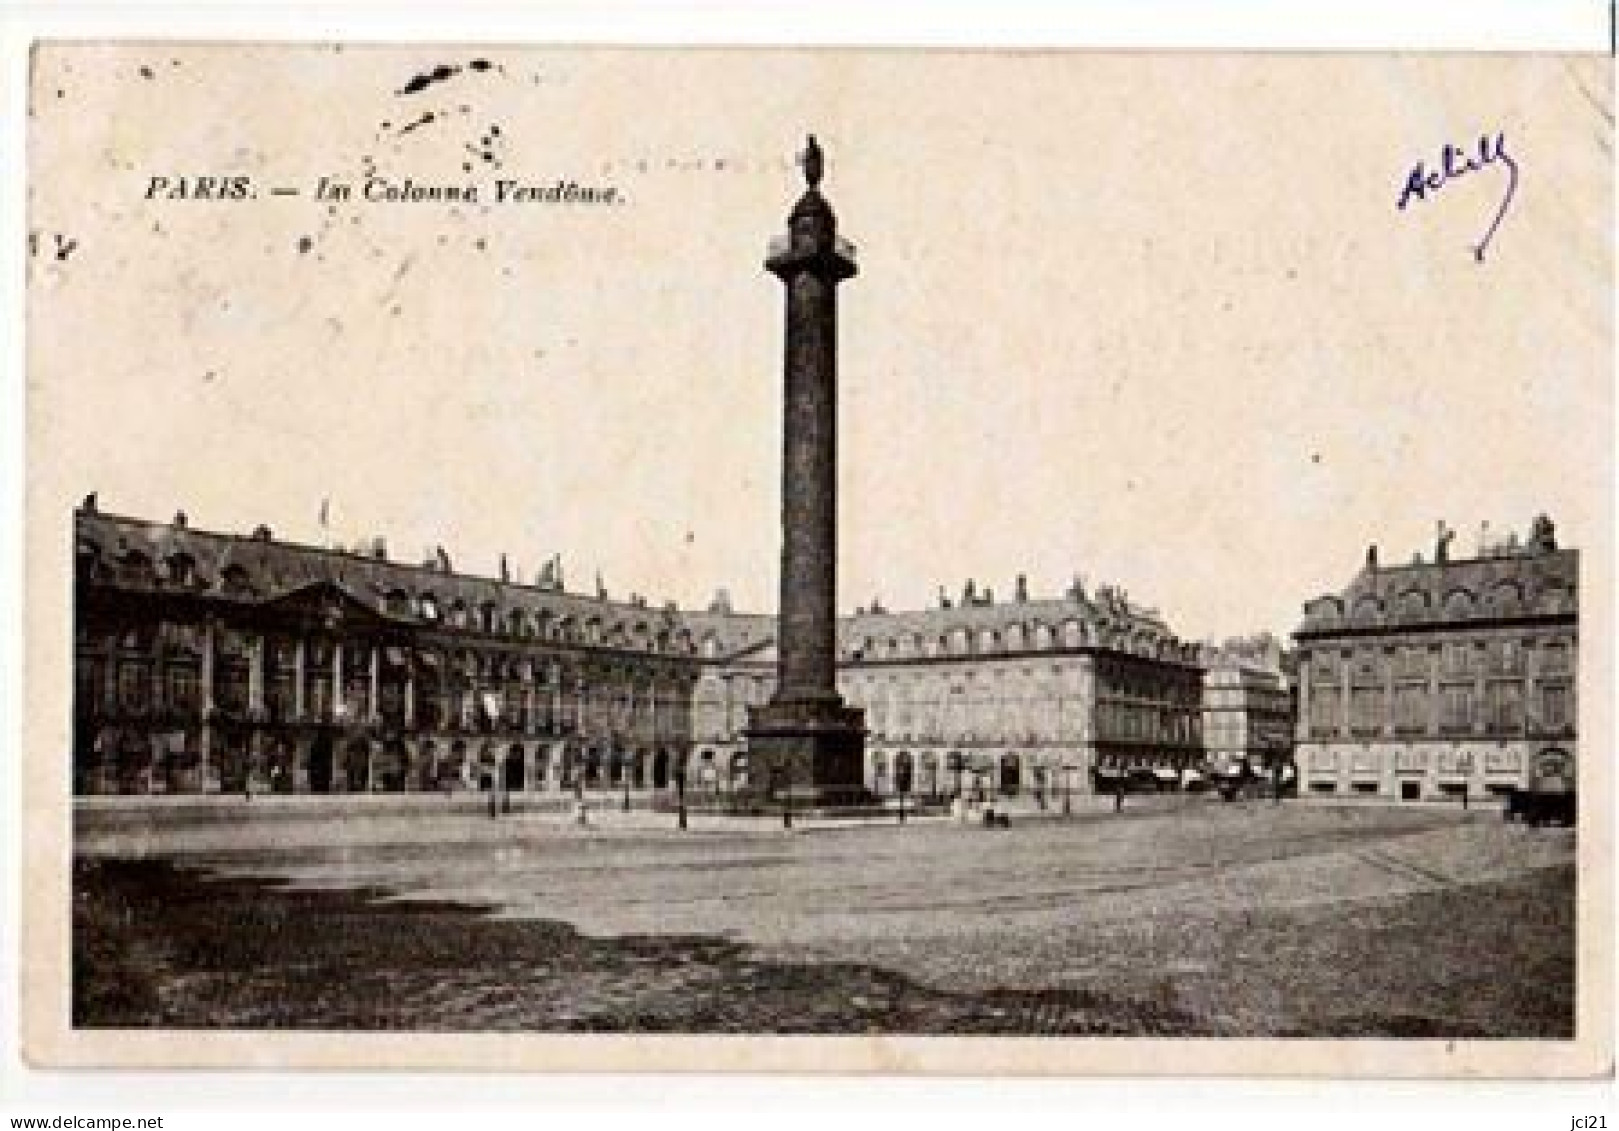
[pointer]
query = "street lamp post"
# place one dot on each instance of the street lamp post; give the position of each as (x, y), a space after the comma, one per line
(1067, 790)
(680, 795)
(787, 797)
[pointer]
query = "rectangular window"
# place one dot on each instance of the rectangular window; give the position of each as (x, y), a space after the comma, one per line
(1554, 657)
(1509, 657)
(183, 688)
(1456, 708)
(1324, 714)
(1456, 659)
(232, 690)
(134, 686)
(278, 695)
(1411, 710)
(1554, 712)
(1366, 711)
(1413, 663)
(1506, 707)
(318, 697)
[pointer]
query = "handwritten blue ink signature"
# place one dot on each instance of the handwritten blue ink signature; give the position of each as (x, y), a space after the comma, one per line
(1454, 163)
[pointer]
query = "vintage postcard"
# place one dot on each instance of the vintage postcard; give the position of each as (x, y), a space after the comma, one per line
(819, 560)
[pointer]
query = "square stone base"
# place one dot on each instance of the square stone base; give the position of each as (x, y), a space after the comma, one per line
(812, 752)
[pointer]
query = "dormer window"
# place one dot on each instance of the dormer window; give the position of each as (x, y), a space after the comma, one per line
(234, 581)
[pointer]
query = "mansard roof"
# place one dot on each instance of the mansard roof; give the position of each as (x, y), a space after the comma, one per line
(133, 553)
(1015, 626)
(1530, 582)
(129, 553)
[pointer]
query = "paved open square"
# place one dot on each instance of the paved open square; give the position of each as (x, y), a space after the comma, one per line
(1182, 915)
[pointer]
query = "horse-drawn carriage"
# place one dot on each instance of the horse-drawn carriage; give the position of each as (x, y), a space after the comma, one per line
(1550, 797)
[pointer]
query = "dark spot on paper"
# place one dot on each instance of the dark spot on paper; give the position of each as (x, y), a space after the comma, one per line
(304, 244)
(65, 246)
(481, 244)
(146, 72)
(427, 118)
(1315, 457)
(210, 375)
(480, 64)
(441, 73)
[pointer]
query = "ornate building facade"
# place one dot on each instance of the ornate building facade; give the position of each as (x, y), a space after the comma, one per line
(1431, 679)
(209, 662)
(1250, 709)
(985, 698)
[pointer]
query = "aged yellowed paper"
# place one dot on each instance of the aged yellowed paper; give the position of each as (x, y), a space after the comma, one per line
(837, 560)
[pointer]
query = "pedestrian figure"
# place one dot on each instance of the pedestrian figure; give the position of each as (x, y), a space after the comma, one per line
(1118, 797)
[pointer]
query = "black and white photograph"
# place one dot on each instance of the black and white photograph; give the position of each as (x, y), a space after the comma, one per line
(813, 545)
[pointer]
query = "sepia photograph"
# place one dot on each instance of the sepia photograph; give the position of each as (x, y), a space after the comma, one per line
(814, 545)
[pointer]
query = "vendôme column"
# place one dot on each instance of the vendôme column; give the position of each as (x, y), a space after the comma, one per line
(806, 742)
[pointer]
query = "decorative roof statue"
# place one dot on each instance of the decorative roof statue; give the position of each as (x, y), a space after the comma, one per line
(1441, 549)
(89, 503)
(1020, 593)
(814, 162)
(1542, 535)
(944, 598)
(505, 569)
(1371, 557)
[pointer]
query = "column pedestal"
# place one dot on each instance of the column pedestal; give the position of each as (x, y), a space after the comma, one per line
(811, 753)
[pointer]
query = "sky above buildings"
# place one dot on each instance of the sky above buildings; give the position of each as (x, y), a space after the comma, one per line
(1155, 320)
